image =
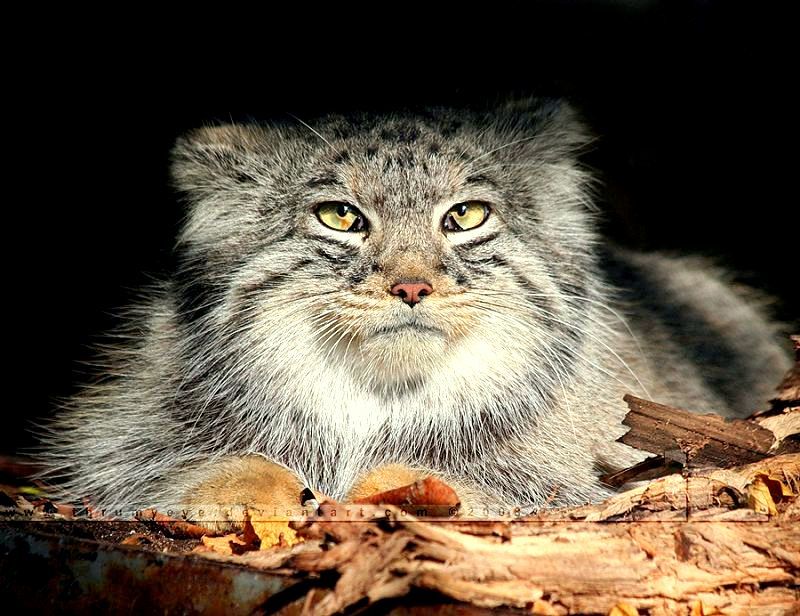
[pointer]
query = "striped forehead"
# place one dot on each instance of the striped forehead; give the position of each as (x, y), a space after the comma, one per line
(391, 180)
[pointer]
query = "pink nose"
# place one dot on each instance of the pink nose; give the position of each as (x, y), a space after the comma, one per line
(411, 292)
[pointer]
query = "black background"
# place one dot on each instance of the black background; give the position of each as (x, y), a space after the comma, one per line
(693, 102)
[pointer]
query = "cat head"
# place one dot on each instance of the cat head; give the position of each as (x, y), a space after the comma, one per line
(390, 244)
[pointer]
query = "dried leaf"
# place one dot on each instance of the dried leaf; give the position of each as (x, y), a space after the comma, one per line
(759, 497)
(275, 533)
(24, 504)
(67, 511)
(434, 495)
(136, 539)
(245, 541)
(779, 486)
(783, 425)
(696, 609)
(789, 389)
(623, 609)
(543, 608)
(223, 545)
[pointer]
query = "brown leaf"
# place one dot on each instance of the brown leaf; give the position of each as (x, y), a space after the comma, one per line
(136, 539)
(67, 511)
(234, 543)
(696, 609)
(429, 492)
(273, 532)
(227, 544)
(623, 609)
(759, 496)
(543, 608)
(784, 424)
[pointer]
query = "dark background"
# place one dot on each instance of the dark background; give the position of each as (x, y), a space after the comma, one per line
(691, 100)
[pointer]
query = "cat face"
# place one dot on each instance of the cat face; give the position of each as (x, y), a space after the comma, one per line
(392, 245)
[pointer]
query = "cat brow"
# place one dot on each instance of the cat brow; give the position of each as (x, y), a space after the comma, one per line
(480, 178)
(326, 180)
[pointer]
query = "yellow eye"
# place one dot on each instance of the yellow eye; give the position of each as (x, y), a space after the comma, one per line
(464, 216)
(341, 216)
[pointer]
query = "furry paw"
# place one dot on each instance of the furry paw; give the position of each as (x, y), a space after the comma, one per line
(249, 484)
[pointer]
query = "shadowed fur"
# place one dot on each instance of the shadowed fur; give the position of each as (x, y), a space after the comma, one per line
(278, 336)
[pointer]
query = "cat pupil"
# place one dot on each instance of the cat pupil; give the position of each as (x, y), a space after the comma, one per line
(462, 209)
(341, 210)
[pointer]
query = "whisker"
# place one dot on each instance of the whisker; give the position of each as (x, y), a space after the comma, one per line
(502, 147)
(487, 306)
(313, 130)
(567, 296)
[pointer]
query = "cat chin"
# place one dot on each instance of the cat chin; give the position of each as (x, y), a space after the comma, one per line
(405, 354)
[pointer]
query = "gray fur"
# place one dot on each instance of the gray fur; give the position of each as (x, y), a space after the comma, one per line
(267, 341)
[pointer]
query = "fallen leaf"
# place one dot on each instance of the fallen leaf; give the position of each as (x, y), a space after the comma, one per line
(784, 425)
(543, 608)
(623, 609)
(223, 545)
(66, 510)
(430, 493)
(274, 532)
(759, 496)
(256, 534)
(24, 504)
(136, 539)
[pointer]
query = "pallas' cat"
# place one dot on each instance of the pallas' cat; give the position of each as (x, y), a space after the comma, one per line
(363, 299)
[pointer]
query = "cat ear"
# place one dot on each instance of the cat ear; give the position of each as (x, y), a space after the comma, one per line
(213, 158)
(558, 123)
(533, 108)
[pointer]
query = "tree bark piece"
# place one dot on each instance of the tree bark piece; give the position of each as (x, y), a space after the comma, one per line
(789, 389)
(704, 440)
(783, 416)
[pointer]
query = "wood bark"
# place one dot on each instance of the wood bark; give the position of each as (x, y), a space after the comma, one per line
(720, 534)
(679, 542)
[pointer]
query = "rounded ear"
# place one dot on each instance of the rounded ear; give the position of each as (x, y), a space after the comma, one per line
(214, 158)
(560, 127)
(535, 108)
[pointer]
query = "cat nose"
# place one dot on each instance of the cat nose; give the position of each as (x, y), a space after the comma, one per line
(411, 292)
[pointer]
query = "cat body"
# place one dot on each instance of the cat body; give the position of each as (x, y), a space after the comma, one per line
(425, 290)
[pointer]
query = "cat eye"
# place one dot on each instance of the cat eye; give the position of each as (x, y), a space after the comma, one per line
(465, 216)
(341, 216)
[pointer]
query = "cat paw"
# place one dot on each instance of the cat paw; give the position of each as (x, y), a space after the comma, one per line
(247, 486)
